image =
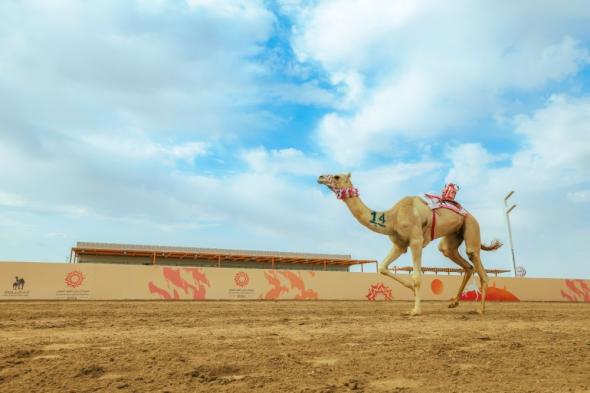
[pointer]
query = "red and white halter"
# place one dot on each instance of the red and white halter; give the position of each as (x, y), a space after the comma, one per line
(345, 193)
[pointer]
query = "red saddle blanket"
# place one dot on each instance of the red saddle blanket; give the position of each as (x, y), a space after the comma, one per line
(436, 202)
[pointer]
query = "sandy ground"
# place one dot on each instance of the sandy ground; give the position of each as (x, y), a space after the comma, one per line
(287, 346)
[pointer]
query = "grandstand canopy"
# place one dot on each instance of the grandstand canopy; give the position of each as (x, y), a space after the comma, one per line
(220, 257)
(447, 270)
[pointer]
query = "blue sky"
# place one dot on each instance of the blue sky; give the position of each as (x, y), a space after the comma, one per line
(206, 123)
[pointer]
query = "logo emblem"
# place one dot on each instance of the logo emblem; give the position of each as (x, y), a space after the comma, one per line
(241, 279)
(19, 283)
(377, 289)
(74, 279)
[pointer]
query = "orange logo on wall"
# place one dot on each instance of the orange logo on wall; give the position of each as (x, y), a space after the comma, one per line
(296, 282)
(74, 279)
(377, 289)
(241, 279)
(185, 283)
(436, 286)
(494, 294)
(576, 291)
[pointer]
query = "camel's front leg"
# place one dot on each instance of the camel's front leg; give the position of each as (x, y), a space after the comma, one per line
(394, 254)
(416, 248)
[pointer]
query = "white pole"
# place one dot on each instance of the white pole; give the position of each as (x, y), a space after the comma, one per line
(510, 229)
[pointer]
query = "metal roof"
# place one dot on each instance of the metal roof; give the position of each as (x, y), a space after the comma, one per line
(213, 254)
(448, 270)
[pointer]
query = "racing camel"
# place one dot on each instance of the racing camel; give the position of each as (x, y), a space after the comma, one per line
(412, 224)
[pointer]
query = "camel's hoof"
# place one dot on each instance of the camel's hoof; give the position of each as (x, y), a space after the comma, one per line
(453, 305)
(480, 311)
(412, 313)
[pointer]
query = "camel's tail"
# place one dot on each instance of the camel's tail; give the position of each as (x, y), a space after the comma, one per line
(493, 246)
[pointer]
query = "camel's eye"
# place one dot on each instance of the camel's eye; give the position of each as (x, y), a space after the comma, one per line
(337, 177)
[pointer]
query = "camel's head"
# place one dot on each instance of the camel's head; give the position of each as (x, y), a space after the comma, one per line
(335, 182)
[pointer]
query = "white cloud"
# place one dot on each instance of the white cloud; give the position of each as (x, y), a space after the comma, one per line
(281, 161)
(581, 196)
(470, 164)
(108, 66)
(15, 202)
(351, 87)
(533, 68)
(187, 151)
(137, 147)
(419, 73)
(347, 31)
(151, 5)
(554, 156)
(233, 9)
(10, 199)
(558, 134)
(396, 109)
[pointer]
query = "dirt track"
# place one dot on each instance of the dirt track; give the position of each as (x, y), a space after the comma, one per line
(291, 346)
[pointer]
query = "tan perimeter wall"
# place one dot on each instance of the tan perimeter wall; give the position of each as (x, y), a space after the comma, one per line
(115, 282)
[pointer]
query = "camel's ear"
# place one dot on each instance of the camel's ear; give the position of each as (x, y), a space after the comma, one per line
(348, 175)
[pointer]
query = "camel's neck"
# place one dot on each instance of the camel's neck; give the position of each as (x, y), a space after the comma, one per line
(372, 219)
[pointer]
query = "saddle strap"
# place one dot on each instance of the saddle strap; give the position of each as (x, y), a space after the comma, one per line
(433, 224)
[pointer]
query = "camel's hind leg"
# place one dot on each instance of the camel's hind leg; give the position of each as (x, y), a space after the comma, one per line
(449, 246)
(472, 237)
